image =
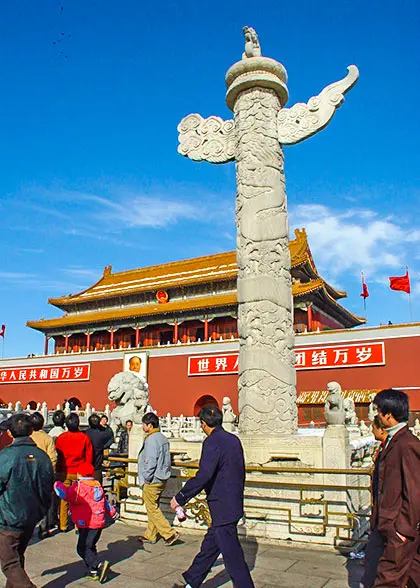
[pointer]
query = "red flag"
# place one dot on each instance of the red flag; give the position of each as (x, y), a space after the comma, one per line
(2, 331)
(401, 283)
(365, 291)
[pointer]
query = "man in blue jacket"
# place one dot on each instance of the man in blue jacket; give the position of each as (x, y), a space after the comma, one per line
(222, 475)
(26, 482)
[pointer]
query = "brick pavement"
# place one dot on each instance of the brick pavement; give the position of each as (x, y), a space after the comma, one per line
(53, 563)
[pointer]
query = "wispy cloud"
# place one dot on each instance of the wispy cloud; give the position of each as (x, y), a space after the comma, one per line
(354, 240)
(110, 213)
(81, 272)
(16, 276)
(50, 211)
(29, 250)
(130, 209)
(126, 207)
(28, 281)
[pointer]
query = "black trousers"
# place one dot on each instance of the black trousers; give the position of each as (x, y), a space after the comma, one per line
(51, 518)
(220, 540)
(86, 547)
(374, 550)
(12, 556)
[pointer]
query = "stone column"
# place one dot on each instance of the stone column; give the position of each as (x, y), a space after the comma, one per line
(257, 93)
(267, 381)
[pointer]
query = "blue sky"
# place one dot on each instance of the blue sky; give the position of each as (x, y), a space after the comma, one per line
(90, 176)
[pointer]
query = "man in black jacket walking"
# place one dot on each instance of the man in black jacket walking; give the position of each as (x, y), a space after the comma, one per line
(101, 439)
(222, 476)
(26, 482)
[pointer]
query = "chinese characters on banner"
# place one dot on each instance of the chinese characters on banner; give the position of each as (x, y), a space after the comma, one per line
(213, 364)
(335, 356)
(331, 356)
(320, 396)
(45, 373)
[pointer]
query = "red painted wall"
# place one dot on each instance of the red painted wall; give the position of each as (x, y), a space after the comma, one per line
(172, 390)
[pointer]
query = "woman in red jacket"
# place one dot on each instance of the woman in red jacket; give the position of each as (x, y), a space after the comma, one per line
(74, 449)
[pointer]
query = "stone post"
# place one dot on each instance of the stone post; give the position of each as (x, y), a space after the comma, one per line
(44, 412)
(257, 93)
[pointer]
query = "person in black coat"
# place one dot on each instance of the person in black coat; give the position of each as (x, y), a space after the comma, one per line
(101, 439)
(222, 475)
(26, 482)
(375, 545)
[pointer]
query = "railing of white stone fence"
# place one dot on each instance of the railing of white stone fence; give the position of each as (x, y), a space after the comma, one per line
(181, 427)
(47, 413)
(319, 501)
(184, 427)
(189, 427)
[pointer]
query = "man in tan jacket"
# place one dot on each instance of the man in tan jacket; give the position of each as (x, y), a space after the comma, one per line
(43, 441)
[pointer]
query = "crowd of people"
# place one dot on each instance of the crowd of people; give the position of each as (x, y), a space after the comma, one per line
(43, 475)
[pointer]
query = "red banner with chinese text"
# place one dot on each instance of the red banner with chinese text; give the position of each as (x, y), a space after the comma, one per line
(210, 365)
(46, 373)
(308, 358)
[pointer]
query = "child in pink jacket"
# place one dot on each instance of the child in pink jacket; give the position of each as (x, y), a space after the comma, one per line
(88, 506)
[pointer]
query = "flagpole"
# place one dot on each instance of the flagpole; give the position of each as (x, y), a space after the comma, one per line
(409, 298)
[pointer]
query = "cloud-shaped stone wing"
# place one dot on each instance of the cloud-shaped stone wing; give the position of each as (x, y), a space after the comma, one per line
(207, 139)
(303, 120)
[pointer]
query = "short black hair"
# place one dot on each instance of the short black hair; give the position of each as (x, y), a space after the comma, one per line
(151, 419)
(37, 421)
(394, 402)
(128, 421)
(94, 421)
(72, 422)
(104, 416)
(59, 418)
(211, 415)
(20, 425)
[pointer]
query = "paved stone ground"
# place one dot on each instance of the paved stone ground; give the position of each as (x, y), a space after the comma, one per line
(53, 563)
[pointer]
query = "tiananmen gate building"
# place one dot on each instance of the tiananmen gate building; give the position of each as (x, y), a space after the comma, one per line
(180, 318)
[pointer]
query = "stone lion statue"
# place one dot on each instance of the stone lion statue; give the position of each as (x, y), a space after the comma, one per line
(229, 417)
(372, 412)
(334, 406)
(131, 395)
(252, 44)
(350, 412)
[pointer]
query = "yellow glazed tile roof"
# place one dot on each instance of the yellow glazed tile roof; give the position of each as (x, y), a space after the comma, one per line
(136, 311)
(100, 316)
(211, 268)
